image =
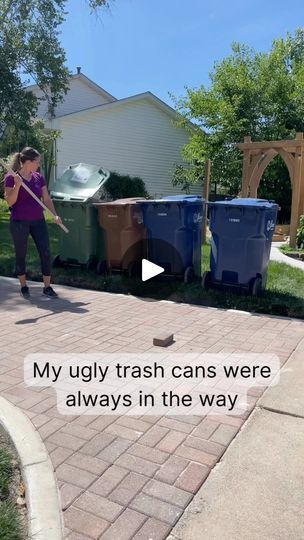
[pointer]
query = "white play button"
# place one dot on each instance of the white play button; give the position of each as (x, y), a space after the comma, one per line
(149, 270)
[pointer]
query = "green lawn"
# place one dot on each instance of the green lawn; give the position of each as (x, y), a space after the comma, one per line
(284, 294)
(9, 524)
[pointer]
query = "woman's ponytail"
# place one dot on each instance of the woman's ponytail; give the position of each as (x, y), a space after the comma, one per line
(16, 162)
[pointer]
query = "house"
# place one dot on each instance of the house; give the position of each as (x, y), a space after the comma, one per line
(135, 135)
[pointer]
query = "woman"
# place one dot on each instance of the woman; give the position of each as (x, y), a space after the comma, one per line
(27, 216)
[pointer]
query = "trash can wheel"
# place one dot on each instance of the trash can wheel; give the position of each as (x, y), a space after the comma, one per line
(256, 286)
(91, 263)
(57, 262)
(206, 280)
(189, 274)
(101, 268)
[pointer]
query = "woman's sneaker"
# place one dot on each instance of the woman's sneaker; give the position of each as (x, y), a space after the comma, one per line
(25, 292)
(48, 291)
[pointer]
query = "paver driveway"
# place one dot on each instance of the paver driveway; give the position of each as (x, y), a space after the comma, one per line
(126, 478)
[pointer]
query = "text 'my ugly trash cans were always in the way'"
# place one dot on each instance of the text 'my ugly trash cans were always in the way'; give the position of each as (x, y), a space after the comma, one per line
(124, 235)
(242, 231)
(174, 234)
(73, 195)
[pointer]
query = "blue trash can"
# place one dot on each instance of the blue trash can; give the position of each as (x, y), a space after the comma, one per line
(242, 231)
(174, 234)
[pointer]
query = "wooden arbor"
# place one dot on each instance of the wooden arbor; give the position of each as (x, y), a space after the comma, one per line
(258, 155)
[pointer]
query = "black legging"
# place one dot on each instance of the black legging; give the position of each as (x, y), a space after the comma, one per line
(20, 231)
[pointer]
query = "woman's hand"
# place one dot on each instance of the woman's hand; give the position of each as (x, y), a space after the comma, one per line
(57, 220)
(17, 180)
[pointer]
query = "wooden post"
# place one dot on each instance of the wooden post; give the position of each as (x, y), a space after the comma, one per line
(296, 191)
(206, 196)
(246, 167)
(301, 205)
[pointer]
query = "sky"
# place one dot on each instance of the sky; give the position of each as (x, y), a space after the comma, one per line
(162, 46)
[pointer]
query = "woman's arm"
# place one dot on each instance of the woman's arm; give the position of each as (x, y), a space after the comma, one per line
(49, 203)
(11, 193)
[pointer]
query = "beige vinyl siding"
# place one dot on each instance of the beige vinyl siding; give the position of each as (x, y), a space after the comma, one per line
(136, 138)
(79, 97)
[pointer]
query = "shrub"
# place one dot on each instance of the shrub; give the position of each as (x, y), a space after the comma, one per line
(300, 233)
(120, 186)
(3, 207)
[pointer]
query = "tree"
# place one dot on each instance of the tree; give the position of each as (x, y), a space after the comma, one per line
(251, 93)
(30, 46)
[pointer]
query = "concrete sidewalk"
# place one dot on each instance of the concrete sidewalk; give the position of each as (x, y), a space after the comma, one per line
(277, 255)
(124, 478)
(257, 491)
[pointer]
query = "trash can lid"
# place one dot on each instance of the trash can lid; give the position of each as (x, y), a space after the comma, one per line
(186, 199)
(247, 202)
(79, 182)
(129, 200)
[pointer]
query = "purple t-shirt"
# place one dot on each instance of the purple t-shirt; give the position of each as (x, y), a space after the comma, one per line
(25, 207)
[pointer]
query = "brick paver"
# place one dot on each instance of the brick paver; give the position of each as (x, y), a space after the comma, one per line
(127, 478)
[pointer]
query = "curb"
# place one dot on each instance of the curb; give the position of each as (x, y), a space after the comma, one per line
(144, 298)
(45, 520)
(277, 255)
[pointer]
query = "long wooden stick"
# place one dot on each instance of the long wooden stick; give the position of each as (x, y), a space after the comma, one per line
(10, 171)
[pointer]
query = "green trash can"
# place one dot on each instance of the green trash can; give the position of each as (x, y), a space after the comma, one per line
(73, 196)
